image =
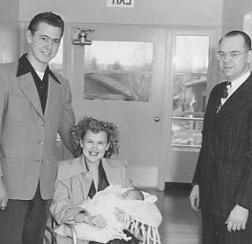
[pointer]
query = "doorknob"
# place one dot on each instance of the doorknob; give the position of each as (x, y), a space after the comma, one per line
(157, 119)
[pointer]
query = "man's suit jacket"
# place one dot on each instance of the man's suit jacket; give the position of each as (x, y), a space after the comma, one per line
(224, 168)
(28, 137)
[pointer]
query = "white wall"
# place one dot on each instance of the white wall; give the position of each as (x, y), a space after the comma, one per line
(149, 12)
(9, 11)
(9, 33)
(233, 14)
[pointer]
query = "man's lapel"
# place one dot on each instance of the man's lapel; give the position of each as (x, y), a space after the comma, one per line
(52, 96)
(236, 101)
(29, 89)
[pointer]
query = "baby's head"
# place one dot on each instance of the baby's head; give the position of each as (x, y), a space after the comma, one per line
(133, 194)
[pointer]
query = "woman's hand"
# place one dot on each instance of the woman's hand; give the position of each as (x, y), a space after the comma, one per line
(95, 220)
(120, 214)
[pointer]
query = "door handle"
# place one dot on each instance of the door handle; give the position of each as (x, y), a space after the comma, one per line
(156, 118)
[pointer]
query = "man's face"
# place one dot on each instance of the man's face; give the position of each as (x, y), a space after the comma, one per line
(234, 57)
(43, 44)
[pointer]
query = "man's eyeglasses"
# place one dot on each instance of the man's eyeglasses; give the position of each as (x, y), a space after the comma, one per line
(233, 54)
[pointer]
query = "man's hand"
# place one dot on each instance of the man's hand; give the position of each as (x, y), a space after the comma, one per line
(237, 218)
(195, 198)
(3, 195)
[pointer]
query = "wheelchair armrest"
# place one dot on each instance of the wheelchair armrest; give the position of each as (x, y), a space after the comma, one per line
(73, 232)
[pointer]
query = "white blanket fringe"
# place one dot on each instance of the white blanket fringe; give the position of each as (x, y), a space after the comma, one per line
(146, 233)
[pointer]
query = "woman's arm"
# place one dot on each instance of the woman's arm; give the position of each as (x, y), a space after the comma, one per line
(64, 211)
(62, 208)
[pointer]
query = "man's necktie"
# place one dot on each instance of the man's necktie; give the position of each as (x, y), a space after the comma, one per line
(224, 94)
(226, 90)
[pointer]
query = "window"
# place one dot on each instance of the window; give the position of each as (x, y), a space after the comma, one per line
(190, 65)
(8, 44)
(118, 70)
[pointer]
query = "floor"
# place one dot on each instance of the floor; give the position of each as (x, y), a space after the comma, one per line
(180, 225)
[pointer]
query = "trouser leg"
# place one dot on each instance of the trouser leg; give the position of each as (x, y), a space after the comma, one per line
(12, 221)
(208, 228)
(36, 218)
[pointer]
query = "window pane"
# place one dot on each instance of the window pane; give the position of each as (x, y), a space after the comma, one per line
(186, 132)
(189, 90)
(191, 54)
(189, 94)
(8, 44)
(118, 70)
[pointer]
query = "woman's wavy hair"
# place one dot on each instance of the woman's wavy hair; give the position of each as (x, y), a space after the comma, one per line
(78, 132)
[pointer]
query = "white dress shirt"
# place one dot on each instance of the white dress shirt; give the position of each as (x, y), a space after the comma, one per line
(235, 84)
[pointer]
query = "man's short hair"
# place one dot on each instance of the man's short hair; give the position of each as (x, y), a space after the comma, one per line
(245, 36)
(48, 18)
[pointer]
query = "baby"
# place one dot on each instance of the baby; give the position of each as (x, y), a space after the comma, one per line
(140, 216)
(132, 194)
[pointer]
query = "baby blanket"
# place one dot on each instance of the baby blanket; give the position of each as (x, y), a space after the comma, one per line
(142, 217)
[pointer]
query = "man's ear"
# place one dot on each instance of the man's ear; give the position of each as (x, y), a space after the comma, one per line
(28, 36)
(81, 143)
(250, 57)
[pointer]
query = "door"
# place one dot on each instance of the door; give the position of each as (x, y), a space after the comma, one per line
(119, 78)
(153, 83)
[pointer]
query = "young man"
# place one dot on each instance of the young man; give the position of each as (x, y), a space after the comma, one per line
(35, 105)
(223, 176)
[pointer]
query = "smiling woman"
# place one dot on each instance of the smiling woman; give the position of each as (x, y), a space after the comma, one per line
(93, 170)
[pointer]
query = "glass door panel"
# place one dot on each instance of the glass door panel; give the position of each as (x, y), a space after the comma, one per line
(119, 78)
(190, 67)
(118, 70)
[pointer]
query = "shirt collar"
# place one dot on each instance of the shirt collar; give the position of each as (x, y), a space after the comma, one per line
(24, 67)
(238, 82)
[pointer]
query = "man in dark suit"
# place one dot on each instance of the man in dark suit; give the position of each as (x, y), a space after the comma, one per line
(35, 105)
(222, 184)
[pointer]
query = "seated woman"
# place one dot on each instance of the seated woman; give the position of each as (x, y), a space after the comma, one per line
(93, 170)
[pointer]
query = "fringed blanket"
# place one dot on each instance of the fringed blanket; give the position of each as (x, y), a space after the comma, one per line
(142, 218)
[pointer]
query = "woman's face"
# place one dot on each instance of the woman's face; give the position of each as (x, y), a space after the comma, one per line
(94, 146)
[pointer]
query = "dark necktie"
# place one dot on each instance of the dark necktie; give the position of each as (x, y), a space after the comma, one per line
(224, 94)
(226, 88)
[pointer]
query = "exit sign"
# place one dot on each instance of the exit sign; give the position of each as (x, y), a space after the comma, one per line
(121, 3)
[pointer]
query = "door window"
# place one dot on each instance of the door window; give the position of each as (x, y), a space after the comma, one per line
(118, 70)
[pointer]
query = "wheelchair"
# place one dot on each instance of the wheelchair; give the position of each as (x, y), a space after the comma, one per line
(50, 237)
